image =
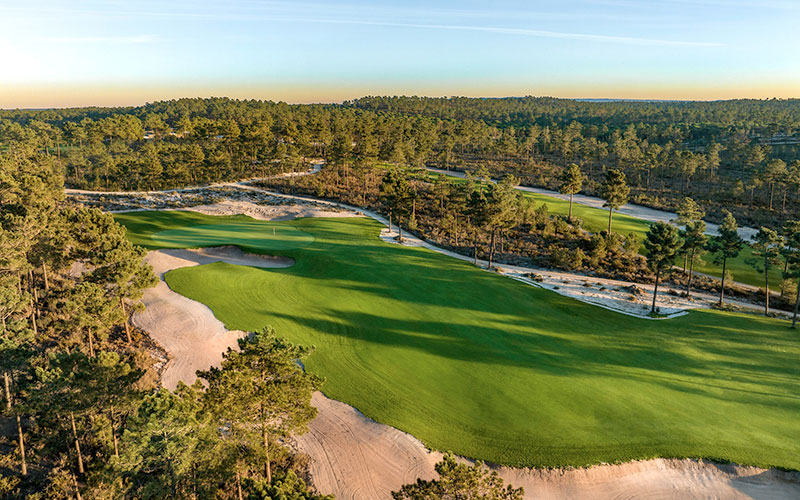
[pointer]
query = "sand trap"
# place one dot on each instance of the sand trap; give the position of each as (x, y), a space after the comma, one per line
(355, 458)
(188, 330)
(268, 212)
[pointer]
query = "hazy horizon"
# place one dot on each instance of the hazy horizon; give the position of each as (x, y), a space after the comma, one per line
(108, 53)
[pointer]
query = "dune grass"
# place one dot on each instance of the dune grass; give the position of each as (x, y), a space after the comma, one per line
(489, 368)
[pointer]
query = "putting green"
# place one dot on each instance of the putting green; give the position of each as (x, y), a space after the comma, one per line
(487, 367)
(183, 229)
(245, 234)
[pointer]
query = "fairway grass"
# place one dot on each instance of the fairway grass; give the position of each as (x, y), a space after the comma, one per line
(489, 368)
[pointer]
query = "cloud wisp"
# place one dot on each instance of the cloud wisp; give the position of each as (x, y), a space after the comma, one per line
(90, 40)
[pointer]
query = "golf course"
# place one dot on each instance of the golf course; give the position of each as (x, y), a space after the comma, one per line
(478, 364)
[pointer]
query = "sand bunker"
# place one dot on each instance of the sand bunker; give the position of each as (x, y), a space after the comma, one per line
(355, 458)
(268, 212)
(188, 330)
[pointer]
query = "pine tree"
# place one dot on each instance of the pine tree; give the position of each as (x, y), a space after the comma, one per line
(615, 192)
(460, 481)
(726, 246)
(694, 244)
(262, 394)
(571, 183)
(767, 245)
(791, 252)
(662, 244)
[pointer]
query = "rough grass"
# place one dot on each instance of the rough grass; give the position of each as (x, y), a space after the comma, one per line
(484, 366)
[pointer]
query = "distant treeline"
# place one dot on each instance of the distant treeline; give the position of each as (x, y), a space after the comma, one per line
(741, 155)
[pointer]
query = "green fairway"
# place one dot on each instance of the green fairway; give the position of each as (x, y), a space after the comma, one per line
(487, 367)
(189, 229)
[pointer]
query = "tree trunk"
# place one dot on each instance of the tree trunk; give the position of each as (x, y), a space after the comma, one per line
(77, 443)
(491, 249)
(91, 342)
(722, 288)
(475, 247)
(766, 284)
(610, 212)
(33, 319)
(7, 384)
(75, 485)
(239, 483)
(655, 292)
(22, 462)
(796, 305)
(785, 272)
(390, 221)
(771, 192)
(691, 273)
(570, 206)
(267, 466)
(113, 432)
(44, 274)
(125, 316)
(399, 230)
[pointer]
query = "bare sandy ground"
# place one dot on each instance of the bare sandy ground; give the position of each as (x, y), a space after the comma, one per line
(268, 212)
(194, 338)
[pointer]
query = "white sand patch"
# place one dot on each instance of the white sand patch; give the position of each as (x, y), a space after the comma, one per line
(188, 330)
(355, 458)
(269, 212)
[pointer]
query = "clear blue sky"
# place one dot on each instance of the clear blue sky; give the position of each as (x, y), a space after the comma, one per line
(127, 52)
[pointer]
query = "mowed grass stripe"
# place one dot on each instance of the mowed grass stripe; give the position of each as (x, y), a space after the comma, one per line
(490, 368)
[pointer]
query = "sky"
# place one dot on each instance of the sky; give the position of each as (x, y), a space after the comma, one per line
(105, 53)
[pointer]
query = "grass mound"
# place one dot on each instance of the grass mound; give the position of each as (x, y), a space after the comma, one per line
(490, 368)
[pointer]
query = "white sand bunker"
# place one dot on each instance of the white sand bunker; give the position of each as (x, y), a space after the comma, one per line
(188, 330)
(269, 212)
(355, 458)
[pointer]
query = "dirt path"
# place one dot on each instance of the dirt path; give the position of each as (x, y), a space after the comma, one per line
(637, 211)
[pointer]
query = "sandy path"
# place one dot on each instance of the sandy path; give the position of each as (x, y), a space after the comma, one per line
(637, 211)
